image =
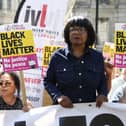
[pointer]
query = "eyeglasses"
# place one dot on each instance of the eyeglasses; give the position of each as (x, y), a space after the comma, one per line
(80, 29)
(6, 84)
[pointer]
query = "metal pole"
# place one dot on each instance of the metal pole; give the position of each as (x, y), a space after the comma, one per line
(96, 20)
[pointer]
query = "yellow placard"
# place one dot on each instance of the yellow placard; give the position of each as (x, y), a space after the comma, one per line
(108, 52)
(48, 50)
(120, 42)
(16, 43)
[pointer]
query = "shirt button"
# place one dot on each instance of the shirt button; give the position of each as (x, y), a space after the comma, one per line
(64, 69)
(82, 62)
(80, 86)
(80, 100)
(79, 74)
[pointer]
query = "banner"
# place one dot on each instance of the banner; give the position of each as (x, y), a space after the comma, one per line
(84, 114)
(17, 47)
(47, 20)
(120, 45)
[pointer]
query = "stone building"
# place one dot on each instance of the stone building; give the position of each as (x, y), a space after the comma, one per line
(7, 10)
(109, 13)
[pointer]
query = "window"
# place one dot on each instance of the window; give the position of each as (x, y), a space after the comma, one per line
(1, 4)
(9, 4)
(107, 2)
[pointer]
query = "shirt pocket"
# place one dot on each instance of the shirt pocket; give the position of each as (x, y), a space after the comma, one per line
(64, 74)
(94, 74)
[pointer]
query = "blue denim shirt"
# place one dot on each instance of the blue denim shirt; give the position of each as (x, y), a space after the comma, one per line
(79, 79)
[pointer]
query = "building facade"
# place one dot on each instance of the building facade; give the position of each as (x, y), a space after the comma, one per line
(109, 13)
(8, 10)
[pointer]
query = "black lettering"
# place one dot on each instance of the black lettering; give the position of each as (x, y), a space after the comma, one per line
(120, 48)
(47, 55)
(20, 123)
(106, 120)
(31, 13)
(27, 14)
(45, 61)
(2, 36)
(22, 35)
(119, 34)
(28, 49)
(5, 52)
(13, 51)
(73, 121)
(11, 43)
(120, 41)
(4, 45)
(17, 35)
(53, 49)
(31, 98)
(34, 20)
(47, 49)
(17, 50)
(14, 35)
(17, 42)
(20, 43)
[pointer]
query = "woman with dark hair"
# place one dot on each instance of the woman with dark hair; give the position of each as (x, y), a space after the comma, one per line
(76, 73)
(9, 83)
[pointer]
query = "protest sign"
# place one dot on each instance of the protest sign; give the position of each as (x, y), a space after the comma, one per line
(47, 53)
(48, 50)
(120, 45)
(34, 86)
(17, 47)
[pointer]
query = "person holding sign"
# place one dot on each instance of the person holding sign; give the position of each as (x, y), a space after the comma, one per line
(119, 95)
(76, 74)
(116, 83)
(108, 71)
(9, 83)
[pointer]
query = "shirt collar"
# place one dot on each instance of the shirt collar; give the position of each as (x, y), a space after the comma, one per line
(67, 51)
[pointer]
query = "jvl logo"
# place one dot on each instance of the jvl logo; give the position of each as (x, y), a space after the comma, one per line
(35, 16)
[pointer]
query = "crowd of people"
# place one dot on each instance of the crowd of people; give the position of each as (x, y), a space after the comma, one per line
(76, 73)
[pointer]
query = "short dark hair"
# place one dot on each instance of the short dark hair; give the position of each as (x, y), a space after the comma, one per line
(15, 78)
(81, 22)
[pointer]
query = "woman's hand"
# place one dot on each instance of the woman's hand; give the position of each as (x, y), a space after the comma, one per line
(64, 101)
(27, 106)
(100, 99)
